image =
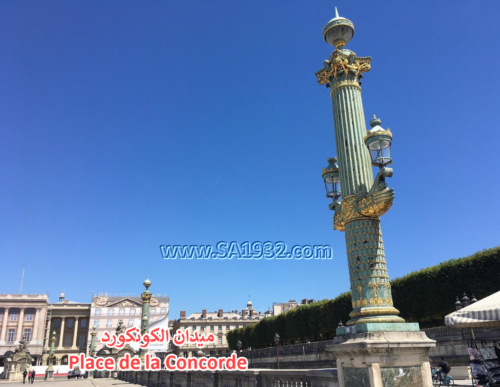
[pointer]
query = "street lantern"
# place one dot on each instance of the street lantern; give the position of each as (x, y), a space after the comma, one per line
(338, 31)
(465, 300)
(238, 345)
(331, 177)
(277, 341)
(378, 141)
(458, 304)
(276, 338)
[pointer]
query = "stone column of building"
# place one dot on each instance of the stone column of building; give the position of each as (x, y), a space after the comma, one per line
(35, 328)
(20, 325)
(46, 335)
(61, 334)
(370, 287)
(4, 326)
(74, 333)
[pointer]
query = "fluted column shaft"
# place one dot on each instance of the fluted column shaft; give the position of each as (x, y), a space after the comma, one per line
(20, 325)
(350, 129)
(3, 339)
(61, 334)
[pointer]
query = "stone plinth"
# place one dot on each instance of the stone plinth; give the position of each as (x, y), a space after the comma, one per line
(383, 359)
(49, 375)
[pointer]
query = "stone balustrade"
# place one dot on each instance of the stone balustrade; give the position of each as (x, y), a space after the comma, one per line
(249, 378)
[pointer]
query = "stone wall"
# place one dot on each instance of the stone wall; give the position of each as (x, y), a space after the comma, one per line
(451, 343)
(250, 378)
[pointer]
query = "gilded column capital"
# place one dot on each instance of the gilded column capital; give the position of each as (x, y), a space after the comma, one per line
(343, 68)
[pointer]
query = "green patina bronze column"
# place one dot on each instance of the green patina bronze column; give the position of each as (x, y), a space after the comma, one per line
(364, 199)
(49, 373)
(146, 299)
(92, 349)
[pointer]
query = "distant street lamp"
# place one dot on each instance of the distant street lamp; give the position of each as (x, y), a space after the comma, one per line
(92, 349)
(238, 345)
(465, 301)
(26, 363)
(277, 341)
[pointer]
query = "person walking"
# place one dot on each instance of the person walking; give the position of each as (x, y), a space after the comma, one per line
(33, 373)
(24, 376)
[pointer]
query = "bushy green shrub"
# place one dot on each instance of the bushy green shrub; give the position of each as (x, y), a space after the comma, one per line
(424, 296)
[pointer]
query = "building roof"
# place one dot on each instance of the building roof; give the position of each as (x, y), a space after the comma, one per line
(226, 316)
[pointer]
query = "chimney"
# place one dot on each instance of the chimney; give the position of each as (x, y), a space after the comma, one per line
(221, 313)
(243, 312)
(204, 313)
(183, 314)
(66, 301)
(251, 312)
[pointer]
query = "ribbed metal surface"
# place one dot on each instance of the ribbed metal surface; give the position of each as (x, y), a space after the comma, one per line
(350, 129)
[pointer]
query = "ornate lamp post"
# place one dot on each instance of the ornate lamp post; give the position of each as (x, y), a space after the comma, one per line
(277, 341)
(26, 363)
(92, 349)
(376, 339)
(146, 299)
(238, 345)
(50, 370)
(364, 199)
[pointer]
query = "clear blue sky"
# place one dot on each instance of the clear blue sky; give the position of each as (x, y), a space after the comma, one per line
(125, 125)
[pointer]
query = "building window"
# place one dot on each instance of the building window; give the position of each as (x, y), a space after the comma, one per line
(220, 327)
(1, 317)
(13, 317)
(211, 328)
(220, 341)
(152, 311)
(237, 326)
(121, 312)
(57, 323)
(81, 342)
(193, 327)
(67, 341)
(186, 354)
(110, 311)
(10, 335)
(131, 322)
(108, 323)
(132, 311)
(27, 335)
(202, 328)
(70, 323)
(83, 323)
(163, 311)
(29, 317)
(96, 323)
(244, 325)
(228, 327)
(98, 312)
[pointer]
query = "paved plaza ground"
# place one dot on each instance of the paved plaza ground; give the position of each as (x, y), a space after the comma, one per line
(62, 382)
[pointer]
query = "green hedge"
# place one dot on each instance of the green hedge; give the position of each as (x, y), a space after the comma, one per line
(424, 296)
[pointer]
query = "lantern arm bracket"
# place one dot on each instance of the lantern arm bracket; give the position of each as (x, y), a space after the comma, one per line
(333, 206)
(379, 183)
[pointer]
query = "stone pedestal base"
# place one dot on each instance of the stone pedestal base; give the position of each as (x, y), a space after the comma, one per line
(49, 375)
(383, 359)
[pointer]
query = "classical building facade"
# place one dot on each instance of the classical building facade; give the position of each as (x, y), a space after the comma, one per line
(70, 320)
(23, 316)
(218, 323)
(107, 310)
(281, 307)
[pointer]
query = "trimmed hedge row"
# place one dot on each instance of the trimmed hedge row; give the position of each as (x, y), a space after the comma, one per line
(424, 296)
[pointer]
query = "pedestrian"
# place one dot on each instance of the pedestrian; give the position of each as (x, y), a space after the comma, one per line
(33, 373)
(444, 368)
(24, 376)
